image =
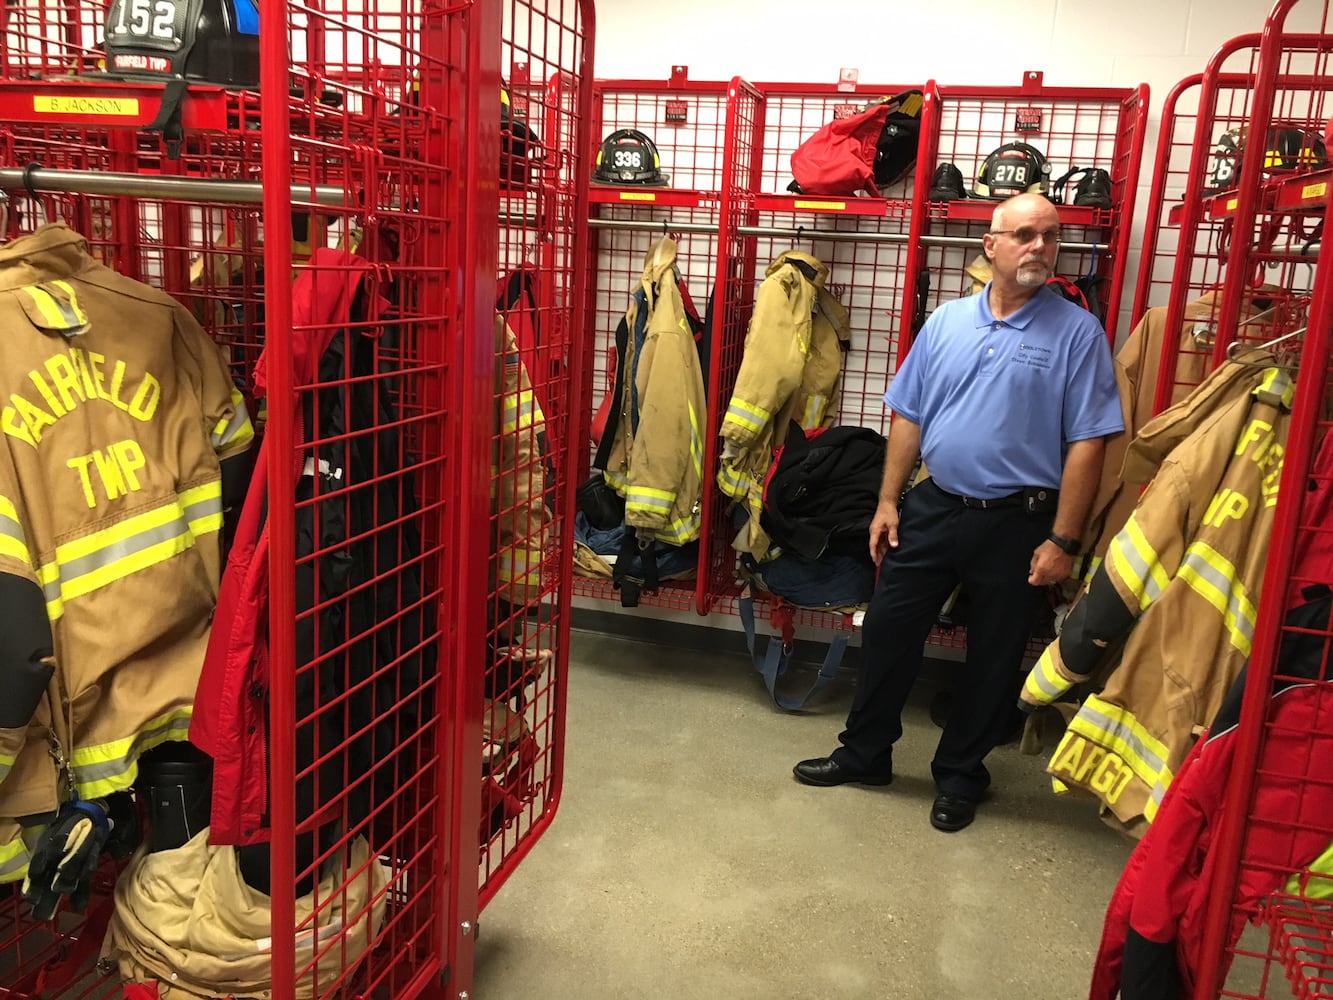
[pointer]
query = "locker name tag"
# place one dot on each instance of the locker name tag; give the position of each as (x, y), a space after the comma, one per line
(1314, 190)
(827, 206)
(637, 196)
(117, 107)
(1232, 203)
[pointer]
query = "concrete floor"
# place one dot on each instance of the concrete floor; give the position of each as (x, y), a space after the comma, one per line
(686, 861)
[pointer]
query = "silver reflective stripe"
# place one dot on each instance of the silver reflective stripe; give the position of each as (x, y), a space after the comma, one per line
(239, 421)
(1043, 677)
(12, 540)
(203, 508)
(175, 727)
(1239, 611)
(1121, 731)
(13, 859)
(1124, 545)
(107, 554)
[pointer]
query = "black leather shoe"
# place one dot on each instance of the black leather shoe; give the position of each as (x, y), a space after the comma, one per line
(951, 813)
(826, 772)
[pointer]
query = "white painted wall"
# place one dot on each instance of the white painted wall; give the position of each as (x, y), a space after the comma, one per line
(1117, 43)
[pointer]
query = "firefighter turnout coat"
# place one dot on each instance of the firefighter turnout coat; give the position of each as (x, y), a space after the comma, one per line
(518, 477)
(1136, 372)
(116, 410)
(1177, 591)
(791, 370)
(655, 460)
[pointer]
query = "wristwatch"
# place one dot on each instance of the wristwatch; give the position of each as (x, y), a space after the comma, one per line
(1069, 546)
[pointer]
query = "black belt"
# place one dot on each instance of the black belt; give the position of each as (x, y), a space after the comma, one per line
(1033, 499)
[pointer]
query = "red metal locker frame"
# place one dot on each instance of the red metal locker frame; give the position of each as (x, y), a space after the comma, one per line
(774, 118)
(905, 217)
(1090, 126)
(1276, 85)
(1300, 942)
(547, 53)
(689, 213)
(389, 156)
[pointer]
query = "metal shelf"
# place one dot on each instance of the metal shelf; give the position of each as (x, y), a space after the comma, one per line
(663, 197)
(879, 208)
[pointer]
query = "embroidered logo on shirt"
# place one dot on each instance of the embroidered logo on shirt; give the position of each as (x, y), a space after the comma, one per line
(1034, 356)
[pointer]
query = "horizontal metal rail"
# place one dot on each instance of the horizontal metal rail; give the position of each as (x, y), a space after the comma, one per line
(667, 227)
(164, 188)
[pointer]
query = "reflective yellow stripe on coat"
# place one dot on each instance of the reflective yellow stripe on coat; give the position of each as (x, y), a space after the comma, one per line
(749, 416)
(105, 768)
(1137, 564)
(1119, 731)
(1213, 577)
(1045, 682)
(93, 561)
(13, 860)
(234, 432)
(13, 543)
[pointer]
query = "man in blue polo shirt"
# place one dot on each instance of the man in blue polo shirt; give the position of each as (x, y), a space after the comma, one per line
(1008, 397)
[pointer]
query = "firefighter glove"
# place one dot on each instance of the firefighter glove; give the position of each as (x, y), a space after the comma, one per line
(66, 856)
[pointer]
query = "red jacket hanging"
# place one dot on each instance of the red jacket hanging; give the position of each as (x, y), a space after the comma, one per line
(230, 721)
(1153, 936)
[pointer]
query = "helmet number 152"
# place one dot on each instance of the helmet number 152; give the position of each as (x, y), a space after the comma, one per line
(147, 18)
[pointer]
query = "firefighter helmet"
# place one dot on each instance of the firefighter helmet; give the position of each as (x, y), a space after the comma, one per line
(1289, 148)
(628, 156)
(209, 41)
(1015, 168)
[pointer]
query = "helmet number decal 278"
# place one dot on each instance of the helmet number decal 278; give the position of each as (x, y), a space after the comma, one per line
(155, 19)
(1010, 173)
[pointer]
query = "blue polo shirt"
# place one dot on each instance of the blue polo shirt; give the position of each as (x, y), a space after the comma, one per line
(998, 401)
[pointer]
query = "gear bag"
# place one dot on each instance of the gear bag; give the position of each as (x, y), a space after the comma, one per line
(866, 152)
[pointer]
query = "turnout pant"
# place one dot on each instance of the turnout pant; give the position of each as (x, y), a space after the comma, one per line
(942, 543)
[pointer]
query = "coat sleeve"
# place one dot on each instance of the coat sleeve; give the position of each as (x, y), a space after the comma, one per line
(26, 648)
(203, 365)
(775, 351)
(518, 476)
(1140, 562)
(667, 421)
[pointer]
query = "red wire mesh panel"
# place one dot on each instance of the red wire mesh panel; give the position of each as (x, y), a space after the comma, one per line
(1230, 246)
(1270, 858)
(1072, 127)
(686, 119)
(535, 437)
(1273, 851)
(861, 240)
(350, 141)
(734, 299)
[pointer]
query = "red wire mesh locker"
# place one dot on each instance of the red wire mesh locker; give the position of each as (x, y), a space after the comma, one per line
(1271, 849)
(1276, 825)
(686, 119)
(1072, 126)
(861, 240)
(1223, 223)
(354, 139)
(534, 441)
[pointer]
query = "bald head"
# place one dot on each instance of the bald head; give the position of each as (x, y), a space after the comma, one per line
(1028, 206)
(1023, 242)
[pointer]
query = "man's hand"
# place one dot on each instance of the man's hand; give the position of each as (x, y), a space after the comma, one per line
(883, 531)
(1050, 563)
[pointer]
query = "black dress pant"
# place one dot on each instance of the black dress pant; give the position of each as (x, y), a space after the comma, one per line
(943, 543)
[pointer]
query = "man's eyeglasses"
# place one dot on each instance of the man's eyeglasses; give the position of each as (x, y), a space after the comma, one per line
(1025, 236)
